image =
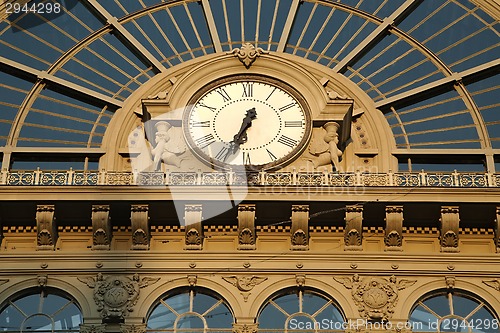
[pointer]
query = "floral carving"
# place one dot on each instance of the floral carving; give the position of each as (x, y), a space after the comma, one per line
(247, 54)
(116, 296)
(140, 237)
(100, 237)
(352, 238)
(193, 237)
(449, 239)
(299, 238)
(393, 239)
(375, 297)
(101, 328)
(246, 237)
(244, 328)
(44, 238)
(137, 328)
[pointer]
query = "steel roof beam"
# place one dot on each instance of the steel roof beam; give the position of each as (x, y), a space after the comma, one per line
(212, 29)
(377, 34)
(438, 85)
(288, 25)
(126, 37)
(62, 84)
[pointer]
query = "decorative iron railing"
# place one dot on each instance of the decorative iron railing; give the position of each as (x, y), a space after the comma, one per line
(398, 179)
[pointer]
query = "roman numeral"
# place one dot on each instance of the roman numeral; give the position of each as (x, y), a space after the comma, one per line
(288, 141)
(205, 141)
(247, 89)
(202, 123)
(211, 108)
(246, 158)
(288, 106)
(271, 155)
(293, 123)
(271, 93)
(224, 94)
(222, 154)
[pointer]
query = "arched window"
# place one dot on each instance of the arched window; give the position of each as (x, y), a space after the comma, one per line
(300, 310)
(453, 312)
(48, 310)
(190, 311)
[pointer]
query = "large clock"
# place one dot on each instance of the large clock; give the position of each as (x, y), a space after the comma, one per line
(247, 120)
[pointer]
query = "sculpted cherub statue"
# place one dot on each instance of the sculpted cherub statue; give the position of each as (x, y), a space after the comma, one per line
(168, 149)
(326, 151)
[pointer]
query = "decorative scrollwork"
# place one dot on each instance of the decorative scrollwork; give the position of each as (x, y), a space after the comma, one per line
(247, 54)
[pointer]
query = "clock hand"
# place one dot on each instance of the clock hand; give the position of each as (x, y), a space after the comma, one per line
(241, 137)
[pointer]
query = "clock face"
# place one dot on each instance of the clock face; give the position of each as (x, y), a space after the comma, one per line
(248, 121)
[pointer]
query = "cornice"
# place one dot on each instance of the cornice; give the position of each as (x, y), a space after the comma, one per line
(269, 193)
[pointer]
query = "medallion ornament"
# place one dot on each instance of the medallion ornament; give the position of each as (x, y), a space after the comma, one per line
(116, 296)
(247, 54)
(375, 297)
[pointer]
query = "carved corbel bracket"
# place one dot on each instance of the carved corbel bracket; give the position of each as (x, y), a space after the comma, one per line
(300, 227)
(450, 282)
(46, 227)
(101, 227)
(393, 228)
(194, 227)
(449, 224)
(246, 227)
(140, 227)
(300, 280)
(353, 233)
(245, 328)
(497, 230)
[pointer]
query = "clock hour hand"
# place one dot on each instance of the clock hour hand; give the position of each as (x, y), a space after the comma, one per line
(241, 137)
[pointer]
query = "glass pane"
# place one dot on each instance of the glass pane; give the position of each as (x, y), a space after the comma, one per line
(180, 303)
(38, 323)
(439, 305)
(10, 319)
(29, 304)
(202, 303)
(190, 321)
(289, 303)
(483, 321)
(423, 321)
(312, 303)
(220, 317)
(271, 317)
(161, 318)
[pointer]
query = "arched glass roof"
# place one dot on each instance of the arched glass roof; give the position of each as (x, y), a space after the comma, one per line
(430, 66)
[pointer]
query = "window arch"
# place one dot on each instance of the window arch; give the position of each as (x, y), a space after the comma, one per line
(300, 310)
(46, 310)
(453, 311)
(190, 310)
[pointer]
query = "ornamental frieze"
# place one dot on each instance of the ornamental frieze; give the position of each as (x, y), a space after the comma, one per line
(116, 296)
(375, 297)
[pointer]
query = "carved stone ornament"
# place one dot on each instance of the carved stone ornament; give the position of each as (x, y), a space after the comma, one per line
(449, 224)
(132, 328)
(46, 227)
(116, 296)
(300, 280)
(497, 230)
(192, 280)
(42, 280)
(3, 281)
(393, 228)
(450, 282)
(101, 226)
(194, 227)
(300, 227)
(375, 297)
(353, 233)
(140, 227)
(495, 284)
(244, 283)
(247, 54)
(91, 328)
(245, 328)
(246, 227)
